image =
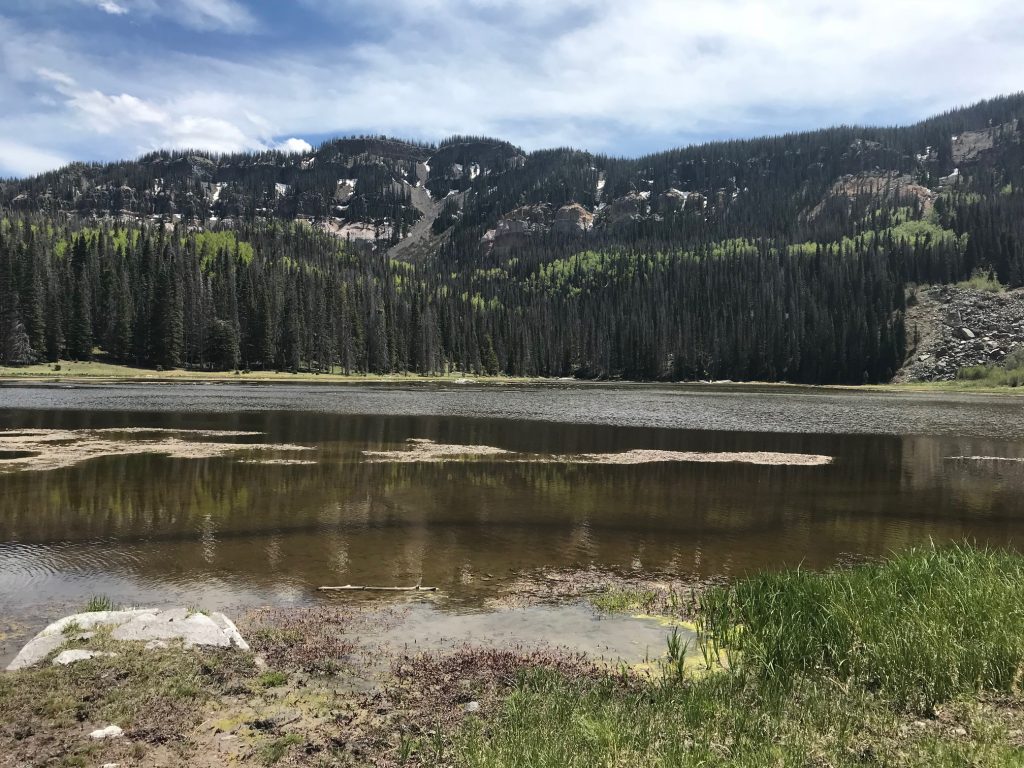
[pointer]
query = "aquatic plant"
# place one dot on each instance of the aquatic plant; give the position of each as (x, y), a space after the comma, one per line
(99, 603)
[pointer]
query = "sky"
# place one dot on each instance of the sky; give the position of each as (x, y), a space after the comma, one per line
(111, 79)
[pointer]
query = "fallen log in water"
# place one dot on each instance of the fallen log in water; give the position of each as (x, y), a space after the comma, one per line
(361, 588)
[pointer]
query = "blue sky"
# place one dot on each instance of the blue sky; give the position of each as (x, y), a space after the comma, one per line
(108, 79)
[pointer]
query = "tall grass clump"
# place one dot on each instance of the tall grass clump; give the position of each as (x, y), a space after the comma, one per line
(99, 603)
(982, 281)
(920, 628)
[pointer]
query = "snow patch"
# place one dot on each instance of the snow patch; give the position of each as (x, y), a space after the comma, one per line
(474, 171)
(281, 189)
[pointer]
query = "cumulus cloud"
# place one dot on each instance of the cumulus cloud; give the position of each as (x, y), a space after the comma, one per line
(294, 145)
(602, 74)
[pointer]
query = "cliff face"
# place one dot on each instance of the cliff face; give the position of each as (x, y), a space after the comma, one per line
(950, 327)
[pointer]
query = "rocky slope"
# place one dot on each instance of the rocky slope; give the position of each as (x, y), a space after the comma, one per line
(950, 327)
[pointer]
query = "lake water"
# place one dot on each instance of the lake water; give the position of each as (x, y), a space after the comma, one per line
(221, 533)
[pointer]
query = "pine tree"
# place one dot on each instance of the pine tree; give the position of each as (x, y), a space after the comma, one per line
(80, 339)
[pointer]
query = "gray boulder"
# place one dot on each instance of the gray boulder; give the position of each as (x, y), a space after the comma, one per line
(156, 628)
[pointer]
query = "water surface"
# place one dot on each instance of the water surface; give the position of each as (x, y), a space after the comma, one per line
(216, 532)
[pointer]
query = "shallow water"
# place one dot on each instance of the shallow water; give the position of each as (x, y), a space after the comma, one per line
(224, 532)
(574, 627)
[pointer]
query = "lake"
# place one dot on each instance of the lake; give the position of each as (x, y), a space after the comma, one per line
(268, 525)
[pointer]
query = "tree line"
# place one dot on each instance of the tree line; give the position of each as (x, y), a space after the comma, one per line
(289, 297)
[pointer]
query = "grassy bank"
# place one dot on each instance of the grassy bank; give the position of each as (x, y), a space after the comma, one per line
(99, 370)
(992, 382)
(981, 386)
(1006, 376)
(916, 661)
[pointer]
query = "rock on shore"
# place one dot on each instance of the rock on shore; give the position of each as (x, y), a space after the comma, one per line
(142, 624)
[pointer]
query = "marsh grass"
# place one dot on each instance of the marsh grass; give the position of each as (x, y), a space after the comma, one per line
(624, 600)
(889, 664)
(99, 603)
(671, 601)
(550, 722)
(921, 628)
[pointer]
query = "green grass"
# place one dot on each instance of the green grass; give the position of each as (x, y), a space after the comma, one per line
(550, 722)
(921, 628)
(992, 376)
(982, 282)
(911, 662)
(272, 679)
(1008, 373)
(99, 603)
(624, 600)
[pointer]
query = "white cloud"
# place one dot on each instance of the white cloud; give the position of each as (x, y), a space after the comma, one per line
(293, 145)
(224, 15)
(601, 74)
(106, 113)
(18, 159)
(107, 6)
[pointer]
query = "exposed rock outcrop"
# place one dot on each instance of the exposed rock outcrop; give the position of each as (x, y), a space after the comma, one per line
(951, 327)
(573, 219)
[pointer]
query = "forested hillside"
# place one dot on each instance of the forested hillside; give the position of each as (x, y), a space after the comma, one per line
(784, 258)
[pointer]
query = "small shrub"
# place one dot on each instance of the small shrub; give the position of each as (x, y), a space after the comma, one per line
(974, 372)
(1014, 360)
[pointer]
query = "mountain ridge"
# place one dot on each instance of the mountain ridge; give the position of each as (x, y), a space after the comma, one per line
(487, 192)
(784, 258)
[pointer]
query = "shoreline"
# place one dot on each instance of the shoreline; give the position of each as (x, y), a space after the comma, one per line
(104, 373)
(345, 684)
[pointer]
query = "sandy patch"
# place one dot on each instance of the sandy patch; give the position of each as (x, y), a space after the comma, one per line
(427, 451)
(280, 462)
(421, 450)
(642, 456)
(47, 449)
(166, 431)
(986, 458)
